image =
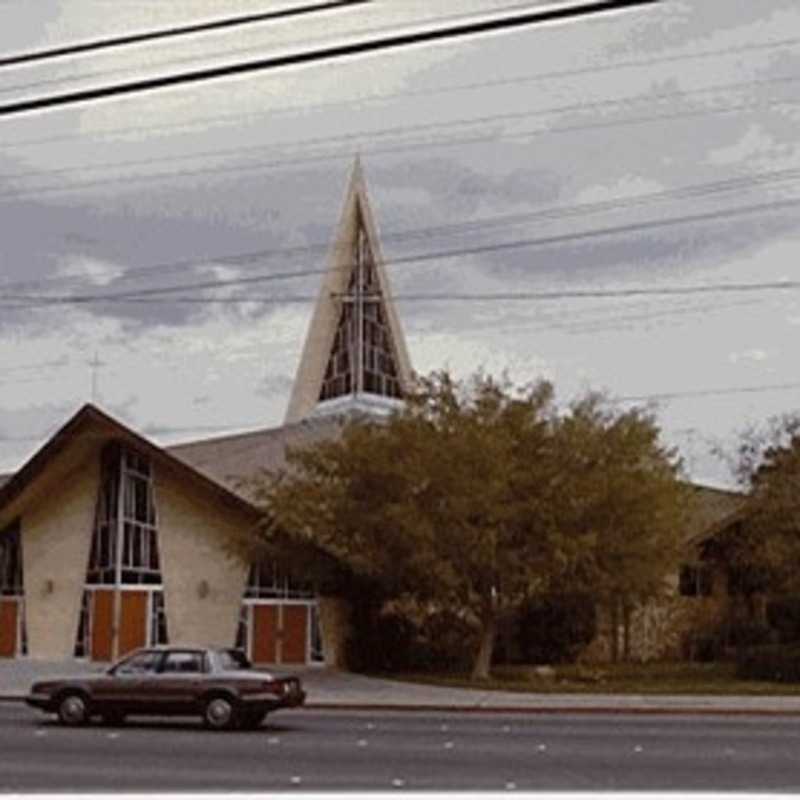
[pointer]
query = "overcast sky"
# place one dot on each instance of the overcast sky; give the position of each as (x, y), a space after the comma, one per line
(687, 109)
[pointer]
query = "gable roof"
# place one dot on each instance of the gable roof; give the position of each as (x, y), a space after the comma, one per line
(82, 429)
(356, 221)
(713, 510)
(232, 460)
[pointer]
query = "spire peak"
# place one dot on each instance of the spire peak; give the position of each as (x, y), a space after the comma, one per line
(355, 355)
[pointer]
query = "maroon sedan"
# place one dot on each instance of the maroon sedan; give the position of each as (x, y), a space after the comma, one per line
(220, 685)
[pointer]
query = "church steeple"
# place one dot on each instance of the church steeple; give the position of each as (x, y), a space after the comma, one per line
(355, 354)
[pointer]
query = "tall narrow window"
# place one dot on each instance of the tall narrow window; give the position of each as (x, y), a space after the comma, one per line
(124, 551)
(362, 358)
(13, 634)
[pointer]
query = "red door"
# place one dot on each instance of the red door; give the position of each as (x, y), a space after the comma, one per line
(265, 634)
(294, 635)
(102, 623)
(133, 622)
(8, 627)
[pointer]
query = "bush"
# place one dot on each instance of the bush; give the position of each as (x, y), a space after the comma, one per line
(779, 663)
(748, 634)
(555, 628)
(784, 616)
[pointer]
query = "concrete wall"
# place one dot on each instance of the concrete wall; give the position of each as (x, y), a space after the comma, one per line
(56, 536)
(203, 583)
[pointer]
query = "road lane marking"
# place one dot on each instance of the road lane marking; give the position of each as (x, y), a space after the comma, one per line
(362, 742)
(541, 748)
(510, 785)
(506, 729)
(113, 736)
(399, 783)
(40, 733)
(445, 728)
(295, 779)
(448, 745)
(273, 740)
(638, 749)
(370, 726)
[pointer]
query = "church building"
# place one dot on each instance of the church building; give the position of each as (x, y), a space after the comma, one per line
(109, 541)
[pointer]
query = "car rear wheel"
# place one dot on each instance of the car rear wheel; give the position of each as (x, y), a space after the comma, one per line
(73, 709)
(220, 713)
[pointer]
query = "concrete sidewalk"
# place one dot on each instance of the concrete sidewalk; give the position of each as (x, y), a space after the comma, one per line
(328, 688)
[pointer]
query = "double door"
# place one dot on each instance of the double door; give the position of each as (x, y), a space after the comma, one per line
(133, 627)
(280, 632)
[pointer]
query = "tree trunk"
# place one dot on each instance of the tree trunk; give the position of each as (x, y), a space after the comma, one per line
(483, 661)
(626, 632)
(614, 632)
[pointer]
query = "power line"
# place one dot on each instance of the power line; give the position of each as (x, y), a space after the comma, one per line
(335, 52)
(425, 144)
(170, 293)
(699, 393)
(371, 98)
(697, 190)
(177, 31)
(508, 116)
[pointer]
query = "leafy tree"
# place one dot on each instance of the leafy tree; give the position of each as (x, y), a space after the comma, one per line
(476, 496)
(626, 507)
(765, 547)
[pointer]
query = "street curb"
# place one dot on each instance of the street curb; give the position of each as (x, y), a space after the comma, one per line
(543, 710)
(526, 710)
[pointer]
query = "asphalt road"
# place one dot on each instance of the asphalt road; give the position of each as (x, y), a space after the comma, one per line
(379, 751)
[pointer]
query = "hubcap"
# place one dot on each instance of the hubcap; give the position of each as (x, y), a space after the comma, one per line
(73, 709)
(219, 712)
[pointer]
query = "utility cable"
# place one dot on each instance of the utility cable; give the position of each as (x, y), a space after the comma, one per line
(177, 31)
(392, 149)
(158, 294)
(304, 108)
(402, 130)
(554, 213)
(325, 54)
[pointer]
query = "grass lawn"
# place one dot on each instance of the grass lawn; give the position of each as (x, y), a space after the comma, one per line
(655, 678)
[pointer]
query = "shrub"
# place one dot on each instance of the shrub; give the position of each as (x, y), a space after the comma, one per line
(748, 634)
(779, 663)
(553, 629)
(783, 615)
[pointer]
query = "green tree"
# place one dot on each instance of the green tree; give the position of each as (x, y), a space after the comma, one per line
(627, 507)
(764, 548)
(476, 496)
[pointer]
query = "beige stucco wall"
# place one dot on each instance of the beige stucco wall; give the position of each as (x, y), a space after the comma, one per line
(203, 583)
(334, 623)
(56, 535)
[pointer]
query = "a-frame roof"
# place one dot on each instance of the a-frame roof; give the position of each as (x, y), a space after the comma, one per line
(83, 430)
(356, 221)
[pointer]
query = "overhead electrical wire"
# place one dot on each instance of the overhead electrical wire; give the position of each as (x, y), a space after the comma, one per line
(400, 130)
(171, 293)
(115, 42)
(244, 258)
(321, 55)
(426, 144)
(304, 108)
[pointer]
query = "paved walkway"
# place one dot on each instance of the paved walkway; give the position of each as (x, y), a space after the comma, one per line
(328, 688)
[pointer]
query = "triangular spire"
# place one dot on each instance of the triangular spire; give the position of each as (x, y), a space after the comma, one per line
(355, 354)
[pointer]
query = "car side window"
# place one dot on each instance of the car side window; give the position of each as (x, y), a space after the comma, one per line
(140, 664)
(184, 662)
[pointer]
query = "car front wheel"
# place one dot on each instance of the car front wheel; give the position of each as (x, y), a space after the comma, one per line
(220, 713)
(73, 709)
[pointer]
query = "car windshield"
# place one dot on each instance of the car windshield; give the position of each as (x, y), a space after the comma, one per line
(233, 659)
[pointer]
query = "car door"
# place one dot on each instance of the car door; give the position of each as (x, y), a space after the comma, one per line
(175, 688)
(122, 687)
